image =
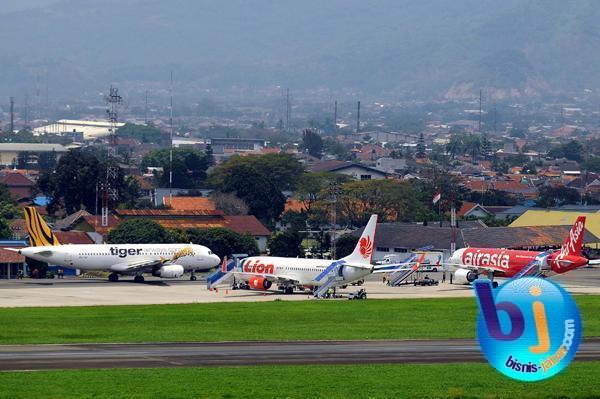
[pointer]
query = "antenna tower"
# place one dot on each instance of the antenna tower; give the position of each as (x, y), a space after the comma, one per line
(171, 144)
(109, 190)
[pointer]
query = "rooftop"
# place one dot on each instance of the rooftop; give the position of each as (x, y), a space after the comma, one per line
(33, 147)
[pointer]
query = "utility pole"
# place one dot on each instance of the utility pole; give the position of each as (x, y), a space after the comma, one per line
(12, 115)
(495, 121)
(480, 95)
(335, 193)
(335, 117)
(26, 112)
(288, 110)
(171, 145)
(146, 109)
(358, 117)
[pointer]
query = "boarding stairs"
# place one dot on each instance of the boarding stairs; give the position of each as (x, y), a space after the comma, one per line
(398, 277)
(222, 275)
(331, 277)
(534, 269)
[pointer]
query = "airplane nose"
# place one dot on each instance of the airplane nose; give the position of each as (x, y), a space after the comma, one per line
(216, 260)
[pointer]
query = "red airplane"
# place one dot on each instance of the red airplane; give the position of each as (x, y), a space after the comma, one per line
(497, 262)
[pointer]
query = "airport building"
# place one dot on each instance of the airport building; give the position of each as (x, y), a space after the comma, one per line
(10, 152)
(90, 130)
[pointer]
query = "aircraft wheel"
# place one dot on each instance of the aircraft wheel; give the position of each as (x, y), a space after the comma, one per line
(113, 277)
(289, 290)
(193, 278)
(494, 284)
(138, 279)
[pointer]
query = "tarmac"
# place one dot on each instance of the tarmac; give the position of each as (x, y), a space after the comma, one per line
(89, 292)
(80, 356)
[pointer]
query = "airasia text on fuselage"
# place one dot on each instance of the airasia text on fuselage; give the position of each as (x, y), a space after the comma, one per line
(488, 257)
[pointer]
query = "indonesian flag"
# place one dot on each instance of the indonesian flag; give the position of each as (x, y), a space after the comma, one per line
(437, 196)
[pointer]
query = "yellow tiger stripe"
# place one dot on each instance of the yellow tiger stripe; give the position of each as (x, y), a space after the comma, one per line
(39, 232)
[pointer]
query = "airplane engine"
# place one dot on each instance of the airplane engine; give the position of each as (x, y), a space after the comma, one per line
(169, 271)
(464, 276)
(259, 283)
(351, 273)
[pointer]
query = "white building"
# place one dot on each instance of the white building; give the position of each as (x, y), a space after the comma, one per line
(91, 129)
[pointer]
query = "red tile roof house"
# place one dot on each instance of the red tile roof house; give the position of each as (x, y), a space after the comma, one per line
(20, 186)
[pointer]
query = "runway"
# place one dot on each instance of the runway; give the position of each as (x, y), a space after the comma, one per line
(41, 357)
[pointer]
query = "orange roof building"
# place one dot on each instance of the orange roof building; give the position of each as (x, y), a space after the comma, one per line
(190, 203)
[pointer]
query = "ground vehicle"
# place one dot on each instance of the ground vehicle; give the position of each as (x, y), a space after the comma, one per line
(360, 294)
(426, 281)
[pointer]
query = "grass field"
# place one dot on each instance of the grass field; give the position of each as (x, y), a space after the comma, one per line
(278, 320)
(464, 380)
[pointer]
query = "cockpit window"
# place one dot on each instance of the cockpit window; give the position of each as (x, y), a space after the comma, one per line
(210, 253)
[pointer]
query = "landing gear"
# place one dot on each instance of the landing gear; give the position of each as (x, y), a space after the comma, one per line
(494, 284)
(138, 278)
(113, 277)
(193, 276)
(288, 290)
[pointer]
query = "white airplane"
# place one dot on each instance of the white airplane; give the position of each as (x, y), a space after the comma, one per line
(260, 272)
(161, 260)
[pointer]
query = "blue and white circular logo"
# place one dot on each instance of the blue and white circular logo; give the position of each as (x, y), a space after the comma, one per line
(529, 329)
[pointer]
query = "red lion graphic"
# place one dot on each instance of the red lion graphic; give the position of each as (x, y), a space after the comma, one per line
(366, 247)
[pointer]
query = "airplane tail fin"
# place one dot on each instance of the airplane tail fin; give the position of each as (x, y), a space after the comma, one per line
(40, 234)
(572, 245)
(363, 252)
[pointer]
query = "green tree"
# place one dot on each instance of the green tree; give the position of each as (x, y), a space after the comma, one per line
(295, 220)
(74, 181)
(312, 187)
(591, 164)
(486, 147)
(551, 196)
(312, 143)
(344, 245)
(224, 242)
(287, 243)
(283, 170)
(4, 229)
(573, 150)
(208, 152)
(131, 193)
(189, 166)
(421, 147)
(491, 197)
(143, 133)
(264, 199)
(529, 168)
(455, 146)
(391, 200)
(138, 231)
(47, 160)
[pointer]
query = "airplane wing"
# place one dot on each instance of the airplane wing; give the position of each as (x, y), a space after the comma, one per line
(594, 262)
(138, 265)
